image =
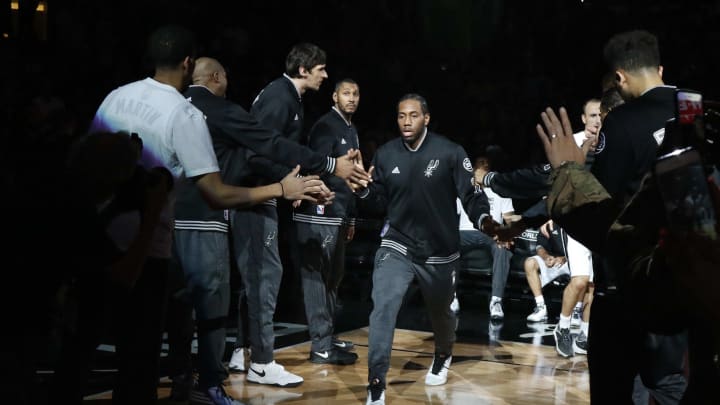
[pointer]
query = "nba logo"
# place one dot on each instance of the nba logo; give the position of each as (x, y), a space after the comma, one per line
(320, 209)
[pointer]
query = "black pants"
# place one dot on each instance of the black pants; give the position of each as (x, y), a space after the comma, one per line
(620, 348)
(322, 267)
(180, 323)
(136, 318)
(139, 328)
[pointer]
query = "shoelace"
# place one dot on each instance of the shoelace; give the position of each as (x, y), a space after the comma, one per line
(376, 389)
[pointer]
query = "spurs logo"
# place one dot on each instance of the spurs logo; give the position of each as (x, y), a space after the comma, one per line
(327, 240)
(269, 239)
(467, 165)
(432, 165)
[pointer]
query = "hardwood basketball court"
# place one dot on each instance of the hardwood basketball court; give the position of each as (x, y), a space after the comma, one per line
(495, 372)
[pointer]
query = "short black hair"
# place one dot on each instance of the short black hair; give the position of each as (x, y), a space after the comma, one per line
(610, 99)
(481, 161)
(414, 96)
(306, 55)
(169, 45)
(632, 50)
(345, 80)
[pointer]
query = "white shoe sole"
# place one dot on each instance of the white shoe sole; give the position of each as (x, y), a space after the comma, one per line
(578, 350)
(255, 379)
(435, 380)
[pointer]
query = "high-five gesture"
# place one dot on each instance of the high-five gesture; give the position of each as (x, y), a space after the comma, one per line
(349, 167)
(557, 139)
(309, 188)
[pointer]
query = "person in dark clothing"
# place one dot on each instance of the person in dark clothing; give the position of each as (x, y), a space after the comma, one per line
(102, 184)
(417, 179)
(174, 136)
(201, 232)
(645, 264)
(279, 106)
(626, 150)
(322, 231)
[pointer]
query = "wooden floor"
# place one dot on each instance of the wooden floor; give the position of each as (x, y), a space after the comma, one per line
(501, 372)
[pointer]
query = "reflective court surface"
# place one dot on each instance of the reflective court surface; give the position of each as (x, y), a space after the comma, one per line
(490, 372)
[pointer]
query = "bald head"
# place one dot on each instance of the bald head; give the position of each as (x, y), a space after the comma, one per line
(211, 74)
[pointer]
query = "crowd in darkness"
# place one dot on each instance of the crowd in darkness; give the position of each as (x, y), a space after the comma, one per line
(482, 64)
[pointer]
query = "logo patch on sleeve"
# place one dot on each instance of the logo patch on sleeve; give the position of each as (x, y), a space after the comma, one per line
(600, 143)
(467, 165)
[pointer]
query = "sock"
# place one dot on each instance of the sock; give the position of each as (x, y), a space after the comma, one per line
(584, 326)
(495, 299)
(564, 321)
(540, 301)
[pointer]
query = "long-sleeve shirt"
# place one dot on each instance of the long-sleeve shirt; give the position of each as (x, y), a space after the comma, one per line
(234, 132)
(279, 107)
(331, 135)
(418, 189)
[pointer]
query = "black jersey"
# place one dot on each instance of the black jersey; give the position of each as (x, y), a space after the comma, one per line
(626, 150)
(532, 182)
(331, 135)
(419, 189)
(234, 133)
(629, 139)
(279, 107)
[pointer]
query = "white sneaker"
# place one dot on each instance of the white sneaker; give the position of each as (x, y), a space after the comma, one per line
(494, 331)
(580, 343)
(455, 305)
(437, 375)
(576, 318)
(538, 315)
(272, 374)
(496, 311)
(237, 361)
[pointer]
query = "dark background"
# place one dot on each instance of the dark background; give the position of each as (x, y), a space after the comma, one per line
(487, 67)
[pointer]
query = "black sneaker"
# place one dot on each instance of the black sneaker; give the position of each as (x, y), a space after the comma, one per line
(376, 393)
(345, 345)
(213, 396)
(333, 356)
(563, 341)
(181, 387)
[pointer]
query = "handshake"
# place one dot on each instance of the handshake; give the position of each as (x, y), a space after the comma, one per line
(348, 167)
